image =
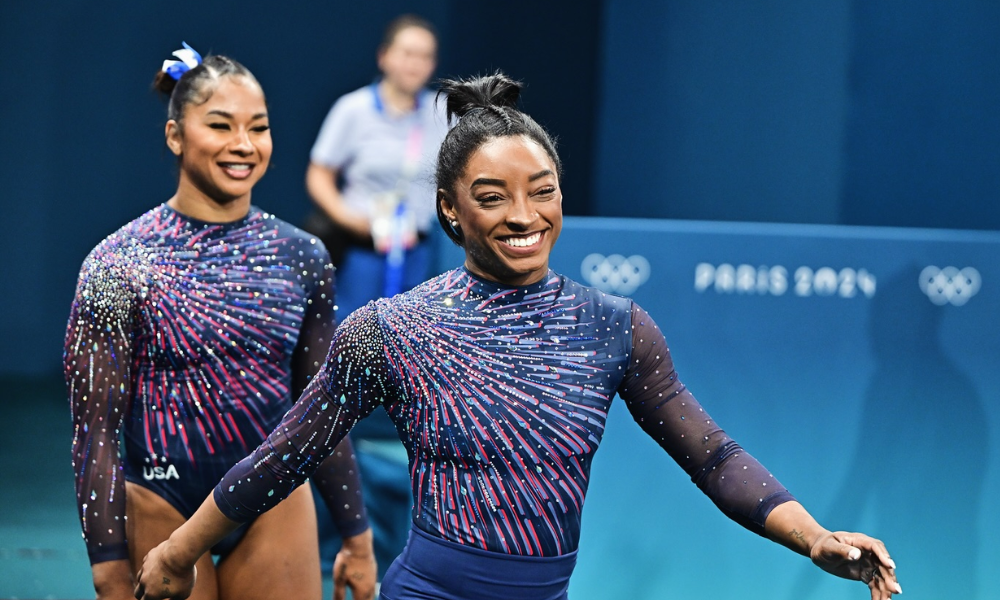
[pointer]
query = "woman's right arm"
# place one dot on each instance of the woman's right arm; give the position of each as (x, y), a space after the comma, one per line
(97, 363)
(352, 382)
(333, 149)
(321, 183)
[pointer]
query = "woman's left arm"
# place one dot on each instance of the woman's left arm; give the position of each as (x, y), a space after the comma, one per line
(666, 410)
(734, 480)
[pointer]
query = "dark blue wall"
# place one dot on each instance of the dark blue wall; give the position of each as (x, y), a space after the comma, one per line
(723, 110)
(922, 143)
(854, 112)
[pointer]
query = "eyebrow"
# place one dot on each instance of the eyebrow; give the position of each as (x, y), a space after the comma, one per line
(223, 113)
(487, 181)
(501, 182)
(539, 175)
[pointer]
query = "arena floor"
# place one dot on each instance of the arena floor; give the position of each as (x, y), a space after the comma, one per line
(41, 552)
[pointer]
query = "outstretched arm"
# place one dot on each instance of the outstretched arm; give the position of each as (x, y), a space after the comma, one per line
(353, 380)
(337, 478)
(736, 482)
(665, 409)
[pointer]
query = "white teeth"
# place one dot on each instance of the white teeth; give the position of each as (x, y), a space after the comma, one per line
(517, 242)
(237, 167)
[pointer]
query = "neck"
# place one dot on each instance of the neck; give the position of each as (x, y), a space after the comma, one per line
(509, 279)
(192, 202)
(395, 99)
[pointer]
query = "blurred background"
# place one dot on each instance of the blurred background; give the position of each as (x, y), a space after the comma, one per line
(698, 137)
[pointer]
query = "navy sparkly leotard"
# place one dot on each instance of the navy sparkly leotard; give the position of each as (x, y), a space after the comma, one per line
(500, 396)
(189, 338)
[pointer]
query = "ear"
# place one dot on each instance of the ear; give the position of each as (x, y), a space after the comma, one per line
(446, 207)
(173, 137)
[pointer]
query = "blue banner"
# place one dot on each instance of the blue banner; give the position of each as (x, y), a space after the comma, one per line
(860, 365)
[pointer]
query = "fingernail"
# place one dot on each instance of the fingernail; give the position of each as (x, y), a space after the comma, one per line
(892, 563)
(899, 589)
(854, 554)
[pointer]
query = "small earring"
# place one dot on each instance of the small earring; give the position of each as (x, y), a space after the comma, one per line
(454, 224)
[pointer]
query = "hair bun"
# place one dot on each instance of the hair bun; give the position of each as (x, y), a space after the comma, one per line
(465, 95)
(188, 58)
(164, 83)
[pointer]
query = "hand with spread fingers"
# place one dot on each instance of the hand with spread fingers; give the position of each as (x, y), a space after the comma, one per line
(159, 578)
(857, 556)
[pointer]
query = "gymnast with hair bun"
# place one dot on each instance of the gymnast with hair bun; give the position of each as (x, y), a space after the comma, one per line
(498, 376)
(192, 329)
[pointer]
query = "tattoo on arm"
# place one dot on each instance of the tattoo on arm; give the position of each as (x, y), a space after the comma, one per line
(795, 533)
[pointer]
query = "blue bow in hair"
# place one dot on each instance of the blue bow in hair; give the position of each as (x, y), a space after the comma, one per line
(189, 59)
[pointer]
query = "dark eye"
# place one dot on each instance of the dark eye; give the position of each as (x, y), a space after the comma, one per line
(261, 128)
(546, 192)
(489, 198)
(222, 126)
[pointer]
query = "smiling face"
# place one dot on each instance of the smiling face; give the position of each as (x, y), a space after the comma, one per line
(508, 206)
(224, 143)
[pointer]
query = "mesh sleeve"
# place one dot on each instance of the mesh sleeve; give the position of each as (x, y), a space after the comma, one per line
(739, 485)
(97, 361)
(337, 477)
(351, 383)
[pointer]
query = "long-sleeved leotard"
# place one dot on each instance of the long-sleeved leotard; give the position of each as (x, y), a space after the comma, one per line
(501, 396)
(187, 339)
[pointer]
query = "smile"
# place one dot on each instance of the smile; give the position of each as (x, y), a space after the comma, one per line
(236, 170)
(522, 242)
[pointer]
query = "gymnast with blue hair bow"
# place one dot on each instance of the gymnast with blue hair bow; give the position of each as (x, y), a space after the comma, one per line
(192, 328)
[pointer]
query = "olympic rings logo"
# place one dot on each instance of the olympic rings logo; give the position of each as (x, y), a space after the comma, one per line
(949, 285)
(615, 273)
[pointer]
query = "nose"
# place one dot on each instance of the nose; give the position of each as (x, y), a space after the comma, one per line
(521, 215)
(240, 143)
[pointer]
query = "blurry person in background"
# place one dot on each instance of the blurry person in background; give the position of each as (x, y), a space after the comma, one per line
(371, 176)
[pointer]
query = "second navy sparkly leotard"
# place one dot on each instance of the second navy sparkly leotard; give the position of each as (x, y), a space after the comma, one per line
(500, 395)
(188, 339)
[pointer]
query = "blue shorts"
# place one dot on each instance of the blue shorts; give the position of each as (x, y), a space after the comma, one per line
(184, 496)
(431, 567)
